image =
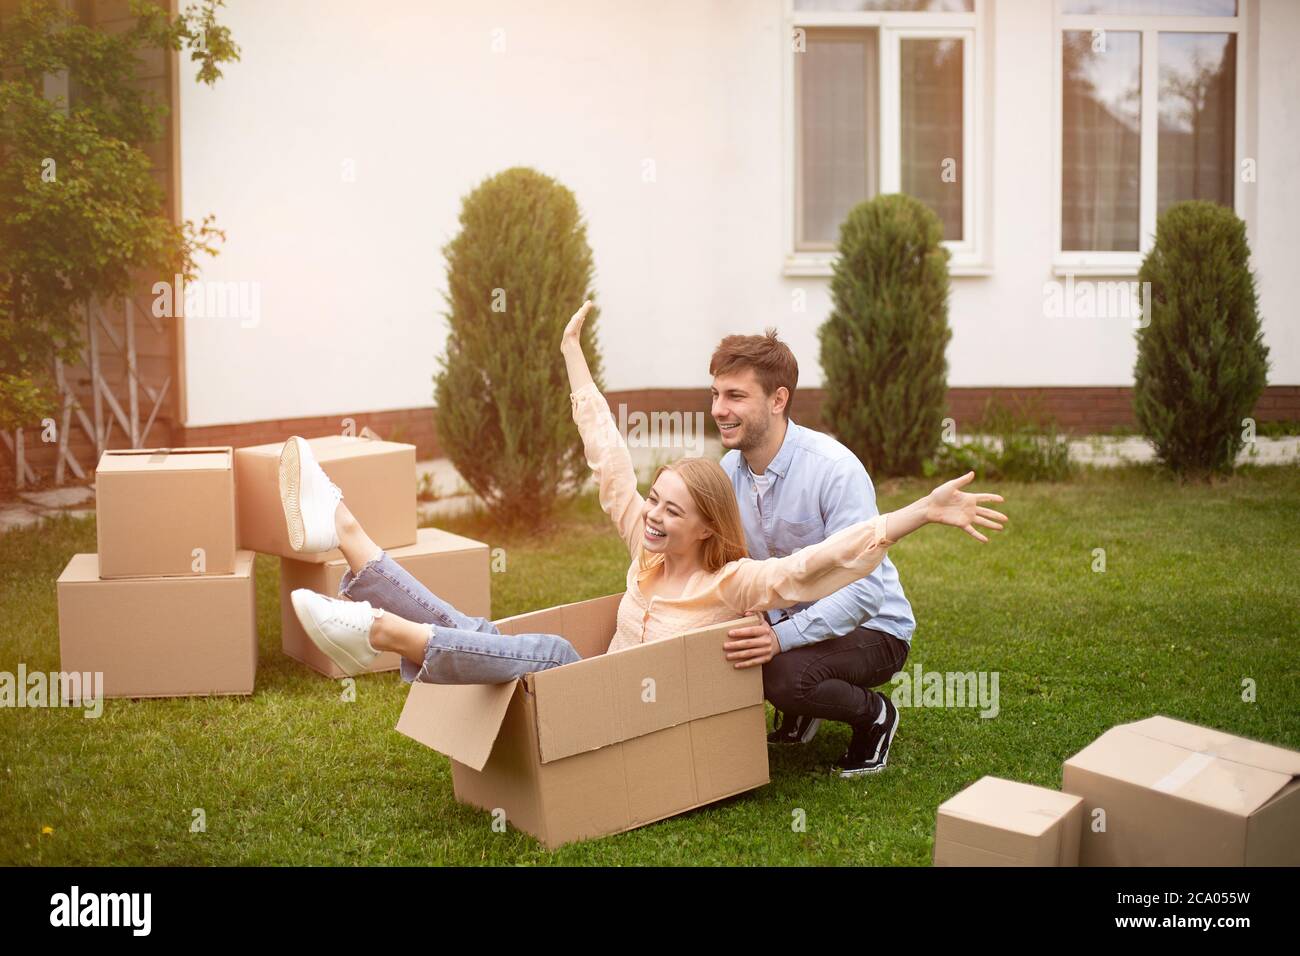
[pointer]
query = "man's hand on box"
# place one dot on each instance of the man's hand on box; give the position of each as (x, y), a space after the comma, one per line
(752, 646)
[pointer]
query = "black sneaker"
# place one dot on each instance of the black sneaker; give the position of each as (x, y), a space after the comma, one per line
(869, 749)
(794, 729)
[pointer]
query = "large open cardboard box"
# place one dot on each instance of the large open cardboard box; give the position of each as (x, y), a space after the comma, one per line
(607, 743)
(453, 567)
(1175, 794)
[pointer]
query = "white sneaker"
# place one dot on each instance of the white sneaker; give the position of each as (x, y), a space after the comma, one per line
(309, 498)
(341, 629)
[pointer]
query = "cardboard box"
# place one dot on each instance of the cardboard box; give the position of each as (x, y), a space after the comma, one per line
(377, 479)
(1175, 794)
(155, 506)
(454, 568)
(996, 822)
(160, 637)
(607, 743)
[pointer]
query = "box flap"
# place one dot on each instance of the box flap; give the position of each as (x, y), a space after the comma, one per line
(577, 707)
(1198, 764)
(165, 459)
(590, 625)
(587, 625)
(460, 721)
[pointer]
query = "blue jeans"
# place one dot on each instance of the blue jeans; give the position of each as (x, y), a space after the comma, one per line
(461, 649)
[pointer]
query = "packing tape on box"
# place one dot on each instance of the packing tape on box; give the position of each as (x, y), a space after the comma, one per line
(159, 455)
(1183, 774)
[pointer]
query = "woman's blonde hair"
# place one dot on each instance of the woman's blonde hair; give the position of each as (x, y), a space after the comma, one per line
(713, 495)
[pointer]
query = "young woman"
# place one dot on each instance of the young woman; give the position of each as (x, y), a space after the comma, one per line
(688, 567)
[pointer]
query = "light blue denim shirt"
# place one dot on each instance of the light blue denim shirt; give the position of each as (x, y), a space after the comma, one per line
(816, 486)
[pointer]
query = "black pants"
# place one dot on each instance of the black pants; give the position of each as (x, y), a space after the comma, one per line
(832, 679)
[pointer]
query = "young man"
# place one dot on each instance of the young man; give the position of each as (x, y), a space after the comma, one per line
(796, 486)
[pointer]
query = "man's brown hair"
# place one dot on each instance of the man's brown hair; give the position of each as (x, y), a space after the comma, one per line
(770, 358)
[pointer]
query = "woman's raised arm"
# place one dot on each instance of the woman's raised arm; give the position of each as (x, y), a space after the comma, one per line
(606, 451)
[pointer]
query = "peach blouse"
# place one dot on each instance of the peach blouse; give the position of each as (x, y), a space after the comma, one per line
(735, 589)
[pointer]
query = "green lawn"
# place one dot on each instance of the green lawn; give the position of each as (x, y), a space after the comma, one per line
(1201, 590)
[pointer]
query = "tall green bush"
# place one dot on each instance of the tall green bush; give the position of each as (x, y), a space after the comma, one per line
(516, 272)
(882, 348)
(1201, 358)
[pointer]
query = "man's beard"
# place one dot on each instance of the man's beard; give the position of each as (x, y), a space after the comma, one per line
(753, 434)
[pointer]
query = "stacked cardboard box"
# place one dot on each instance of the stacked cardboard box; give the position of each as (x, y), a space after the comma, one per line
(1156, 792)
(166, 606)
(607, 743)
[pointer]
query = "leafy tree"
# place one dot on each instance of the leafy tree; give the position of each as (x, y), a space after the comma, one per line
(79, 210)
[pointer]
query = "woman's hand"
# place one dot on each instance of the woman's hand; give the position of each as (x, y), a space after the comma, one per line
(948, 504)
(575, 362)
(573, 331)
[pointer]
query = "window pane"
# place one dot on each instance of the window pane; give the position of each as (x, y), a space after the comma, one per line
(1198, 118)
(933, 167)
(1100, 140)
(1159, 8)
(837, 98)
(907, 6)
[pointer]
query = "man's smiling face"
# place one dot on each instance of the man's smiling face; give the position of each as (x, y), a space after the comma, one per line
(743, 412)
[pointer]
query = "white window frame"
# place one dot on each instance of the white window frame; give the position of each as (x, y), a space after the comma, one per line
(968, 253)
(1127, 263)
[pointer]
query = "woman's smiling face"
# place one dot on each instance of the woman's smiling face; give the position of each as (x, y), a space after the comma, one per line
(673, 525)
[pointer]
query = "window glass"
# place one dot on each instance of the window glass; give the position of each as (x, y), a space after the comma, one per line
(837, 96)
(1100, 140)
(933, 167)
(1198, 118)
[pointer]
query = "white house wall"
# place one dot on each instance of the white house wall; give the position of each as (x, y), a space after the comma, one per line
(349, 275)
